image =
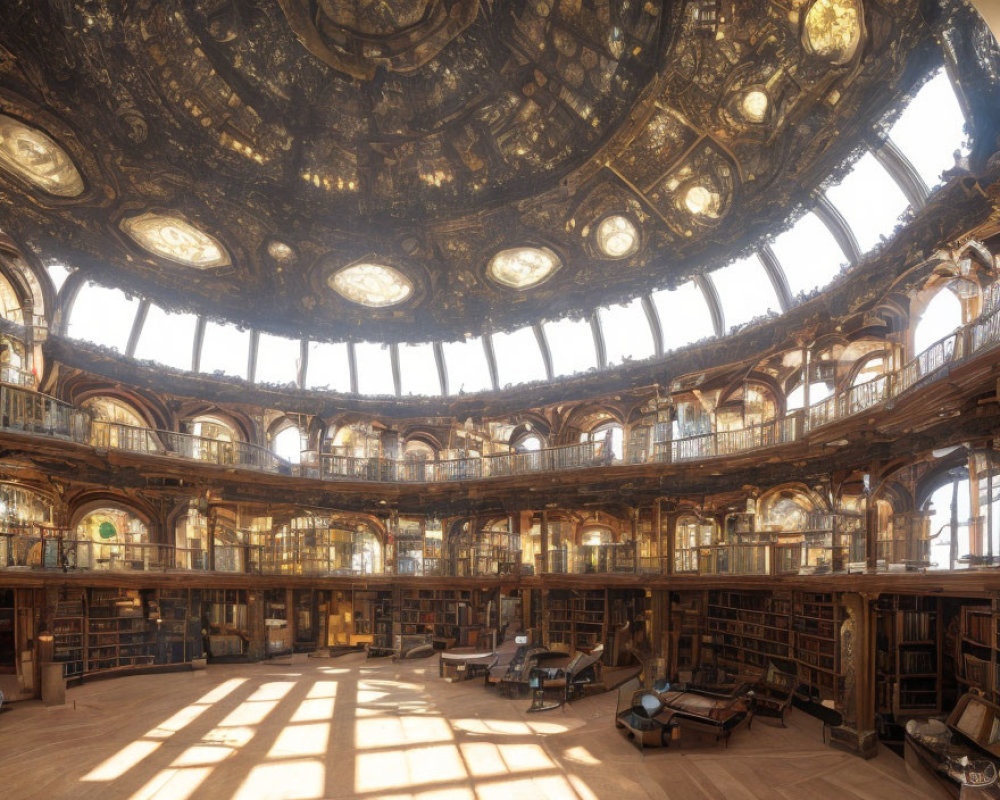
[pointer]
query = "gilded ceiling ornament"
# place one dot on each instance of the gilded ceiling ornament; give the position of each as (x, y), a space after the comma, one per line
(34, 157)
(832, 29)
(357, 37)
(617, 236)
(372, 285)
(280, 251)
(175, 239)
(523, 267)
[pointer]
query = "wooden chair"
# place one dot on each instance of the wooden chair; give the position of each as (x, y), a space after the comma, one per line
(773, 692)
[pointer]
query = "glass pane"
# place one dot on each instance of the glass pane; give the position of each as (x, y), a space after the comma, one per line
(167, 338)
(466, 365)
(931, 129)
(418, 372)
(374, 368)
(627, 335)
(102, 316)
(278, 359)
(571, 345)
(809, 255)
(329, 367)
(58, 273)
(225, 349)
(745, 291)
(870, 200)
(518, 358)
(684, 315)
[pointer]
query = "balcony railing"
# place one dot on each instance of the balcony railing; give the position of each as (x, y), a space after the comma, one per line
(22, 410)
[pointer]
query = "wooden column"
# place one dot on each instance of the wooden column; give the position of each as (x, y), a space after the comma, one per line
(257, 647)
(671, 542)
(871, 534)
(857, 667)
(543, 540)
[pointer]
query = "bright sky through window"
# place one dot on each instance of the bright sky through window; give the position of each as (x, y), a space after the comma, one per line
(870, 200)
(684, 315)
(329, 367)
(518, 358)
(942, 315)
(167, 338)
(466, 365)
(102, 316)
(225, 349)
(571, 345)
(418, 369)
(627, 335)
(277, 359)
(374, 368)
(58, 273)
(288, 444)
(744, 290)
(809, 255)
(931, 129)
(818, 392)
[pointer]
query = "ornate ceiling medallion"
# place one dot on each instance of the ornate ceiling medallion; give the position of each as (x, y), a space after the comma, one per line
(617, 236)
(523, 267)
(175, 239)
(34, 157)
(372, 285)
(357, 37)
(832, 29)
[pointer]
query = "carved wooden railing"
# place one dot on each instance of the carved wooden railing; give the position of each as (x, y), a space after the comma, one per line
(22, 410)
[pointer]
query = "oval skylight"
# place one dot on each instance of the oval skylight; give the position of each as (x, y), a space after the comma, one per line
(523, 267)
(702, 201)
(832, 29)
(617, 236)
(175, 239)
(754, 105)
(34, 157)
(372, 285)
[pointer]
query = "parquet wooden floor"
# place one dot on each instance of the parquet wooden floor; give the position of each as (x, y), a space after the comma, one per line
(350, 728)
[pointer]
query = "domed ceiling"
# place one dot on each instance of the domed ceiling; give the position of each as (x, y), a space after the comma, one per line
(406, 170)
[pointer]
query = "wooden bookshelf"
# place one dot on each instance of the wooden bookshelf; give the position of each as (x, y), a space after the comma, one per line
(918, 655)
(69, 631)
(979, 649)
(746, 630)
(687, 611)
(118, 632)
(816, 623)
(576, 620)
(449, 614)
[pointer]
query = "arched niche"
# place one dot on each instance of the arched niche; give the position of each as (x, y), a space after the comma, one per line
(694, 533)
(114, 536)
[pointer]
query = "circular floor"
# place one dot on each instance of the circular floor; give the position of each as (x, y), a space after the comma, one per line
(351, 728)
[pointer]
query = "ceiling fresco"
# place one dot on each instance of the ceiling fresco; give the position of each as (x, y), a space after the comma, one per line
(405, 171)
